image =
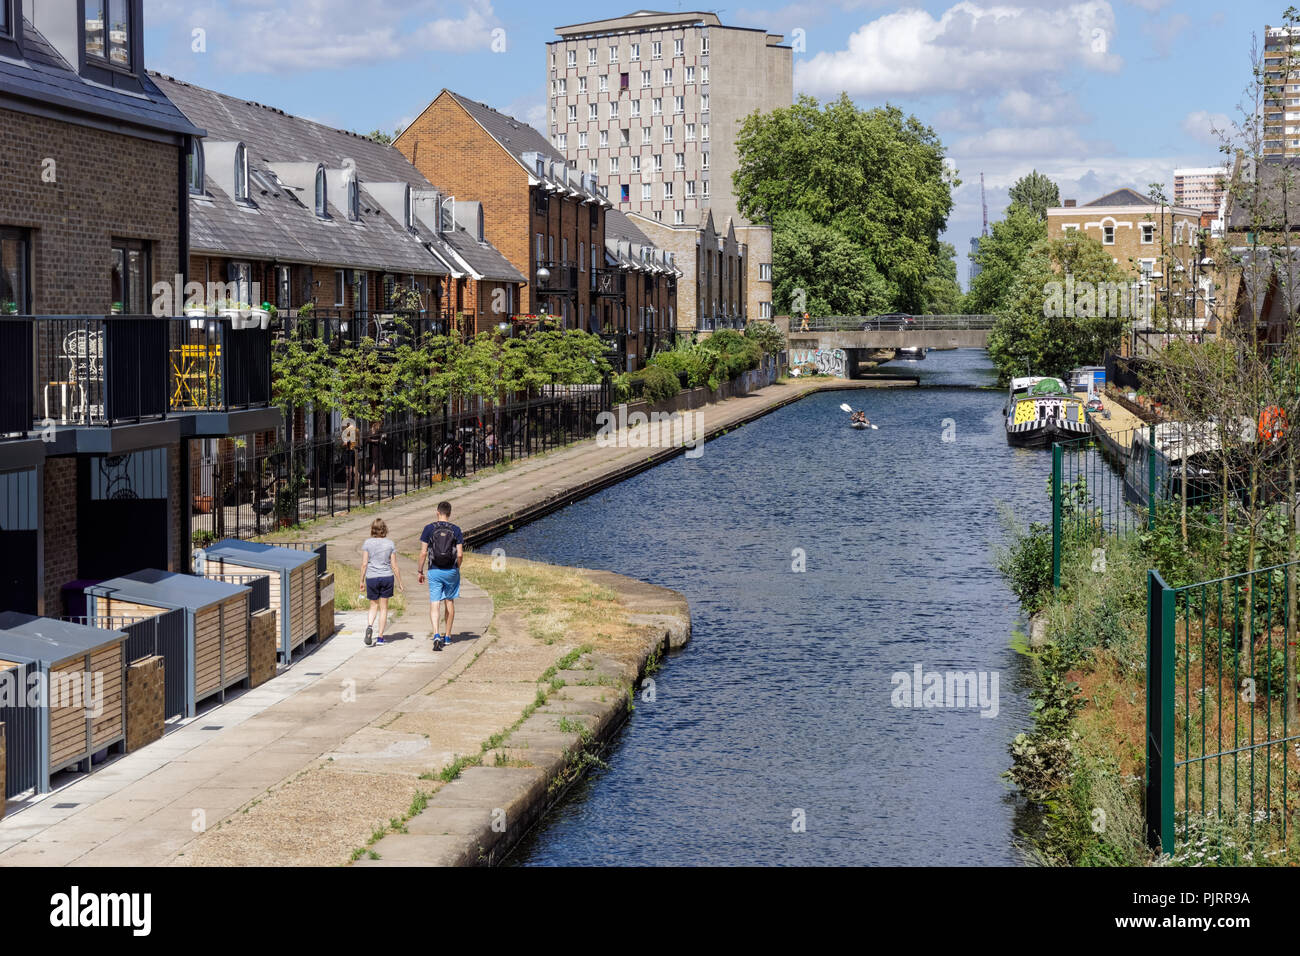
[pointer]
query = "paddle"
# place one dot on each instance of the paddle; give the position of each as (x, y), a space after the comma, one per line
(846, 408)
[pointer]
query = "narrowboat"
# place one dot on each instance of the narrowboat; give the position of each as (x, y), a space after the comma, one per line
(1042, 410)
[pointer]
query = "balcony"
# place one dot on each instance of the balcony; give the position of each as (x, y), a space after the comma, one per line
(101, 372)
(611, 283)
(556, 277)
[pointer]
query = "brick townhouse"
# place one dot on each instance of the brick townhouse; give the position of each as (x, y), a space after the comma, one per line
(545, 217)
(648, 314)
(93, 212)
(715, 264)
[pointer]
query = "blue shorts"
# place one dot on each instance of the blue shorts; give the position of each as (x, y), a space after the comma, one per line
(444, 584)
(377, 588)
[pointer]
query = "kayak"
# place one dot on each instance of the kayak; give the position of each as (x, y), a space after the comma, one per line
(860, 425)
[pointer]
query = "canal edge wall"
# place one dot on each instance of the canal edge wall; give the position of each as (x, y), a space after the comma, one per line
(478, 818)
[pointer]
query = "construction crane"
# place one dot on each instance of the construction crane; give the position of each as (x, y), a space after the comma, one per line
(985, 204)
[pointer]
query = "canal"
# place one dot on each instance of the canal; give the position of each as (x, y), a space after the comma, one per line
(773, 738)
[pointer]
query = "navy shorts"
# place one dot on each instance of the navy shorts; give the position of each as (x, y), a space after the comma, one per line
(377, 588)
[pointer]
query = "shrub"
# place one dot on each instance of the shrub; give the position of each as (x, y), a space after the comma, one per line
(1026, 564)
(685, 363)
(659, 384)
(770, 339)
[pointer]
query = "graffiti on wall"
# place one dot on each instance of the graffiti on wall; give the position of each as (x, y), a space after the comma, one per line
(828, 361)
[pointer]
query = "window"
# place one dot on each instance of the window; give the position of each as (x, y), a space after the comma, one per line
(668, 77)
(690, 189)
(604, 83)
(679, 104)
(704, 102)
(361, 291)
(6, 27)
(241, 173)
(704, 74)
(15, 271)
(563, 142)
(636, 52)
(130, 277)
(340, 289)
(636, 108)
(624, 137)
(657, 106)
(679, 161)
(1108, 235)
(678, 47)
(282, 287)
(690, 132)
(657, 50)
(645, 79)
(591, 112)
(573, 114)
(604, 138)
(668, 191)
(622, 81)
(322, 199)
(193, 160)
(623, 190)
(108, 32)
(613, 54)
(591, 56)
(690, 74)
(765, 310)
(645, 135)
(704, 132)
(679, 217)
(354, 199)
(1148, 233)
(613, 110)
(573, 58)
(613, 165)
(658, 163)
(582, 257)
(593, 166)
(765, 271)
(704, 190)
(582, 84)
(704, 46)
(645, 192)
(704, 163)
(582, 141)
(668, 134)
(564, 87)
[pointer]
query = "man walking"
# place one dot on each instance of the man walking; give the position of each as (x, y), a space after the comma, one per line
(442, 547)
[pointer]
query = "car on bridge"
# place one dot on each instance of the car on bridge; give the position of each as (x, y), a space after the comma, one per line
(891, 320)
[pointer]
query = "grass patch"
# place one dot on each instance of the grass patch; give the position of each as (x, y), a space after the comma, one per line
(347, 591)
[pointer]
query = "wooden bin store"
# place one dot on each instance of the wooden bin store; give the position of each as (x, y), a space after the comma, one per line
(82, 710)
(295, 594)
(216, 624)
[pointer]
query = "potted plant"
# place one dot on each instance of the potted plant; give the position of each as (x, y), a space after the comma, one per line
(202, 538)
(203, 504)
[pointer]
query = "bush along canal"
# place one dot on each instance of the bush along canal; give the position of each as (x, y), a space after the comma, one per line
(850, 693)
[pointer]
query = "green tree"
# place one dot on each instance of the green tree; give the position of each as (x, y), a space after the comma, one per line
(1000, 257)
(1036, 193)
(820, 270)
(878, 177)
(942, 292)
(1032, 337)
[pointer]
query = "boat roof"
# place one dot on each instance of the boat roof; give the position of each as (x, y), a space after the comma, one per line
(1030, 381)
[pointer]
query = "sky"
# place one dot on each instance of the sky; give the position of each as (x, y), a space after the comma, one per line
(1098, 95)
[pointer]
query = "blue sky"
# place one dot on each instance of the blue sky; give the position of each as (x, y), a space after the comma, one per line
(1096, 94)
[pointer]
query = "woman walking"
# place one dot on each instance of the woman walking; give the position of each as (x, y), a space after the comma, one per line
(379, 573)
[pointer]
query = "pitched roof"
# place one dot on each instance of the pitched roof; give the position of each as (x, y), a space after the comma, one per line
(1123, 197)
(43, 77)
(1274, 179)
(281, 224)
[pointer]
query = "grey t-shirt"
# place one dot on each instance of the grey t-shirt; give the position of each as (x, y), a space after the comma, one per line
(379, 551)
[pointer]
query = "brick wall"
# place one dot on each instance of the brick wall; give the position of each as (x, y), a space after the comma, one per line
(263, 640)
(106, 186)
(3, 769)
(454, 153)
(59, 491)
(145, 703)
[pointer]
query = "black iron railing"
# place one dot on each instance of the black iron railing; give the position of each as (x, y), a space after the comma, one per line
(557, 277)
(611, 283)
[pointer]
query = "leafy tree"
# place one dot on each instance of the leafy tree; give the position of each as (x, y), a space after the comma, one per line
(1000, 257)
(1031, 337)
(835, 275)
(942, 292)
(877, 177)
(365, 381)
(1036, 193)
(379, 136)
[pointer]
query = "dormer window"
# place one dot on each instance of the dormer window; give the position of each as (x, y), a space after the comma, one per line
(193, 162)
(108, 32)
(447, 215)
(322, 193)
(354, 200)
(480, 224)
(408, 209)
(241, 173)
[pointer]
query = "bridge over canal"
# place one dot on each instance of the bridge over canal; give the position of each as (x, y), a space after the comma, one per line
(844, 345)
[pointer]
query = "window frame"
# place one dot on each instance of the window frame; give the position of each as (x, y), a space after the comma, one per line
(144, 247)
(99, 67)
(11, 36)
(195, 172)
(241, 173)
(24, 237)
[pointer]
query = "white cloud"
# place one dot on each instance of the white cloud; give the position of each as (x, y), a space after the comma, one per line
(968, 47)
(1201, 125)
(253, 36)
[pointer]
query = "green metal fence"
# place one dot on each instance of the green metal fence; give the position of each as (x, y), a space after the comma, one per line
(1219, 737)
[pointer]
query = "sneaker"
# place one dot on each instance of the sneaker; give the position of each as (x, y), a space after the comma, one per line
(379, 641)
(437, 638)
(437, 643)
(370, 631)
(446, 638)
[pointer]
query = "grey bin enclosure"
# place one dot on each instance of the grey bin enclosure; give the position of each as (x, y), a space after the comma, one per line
(295, 584)
(215, 650)
(74, 718)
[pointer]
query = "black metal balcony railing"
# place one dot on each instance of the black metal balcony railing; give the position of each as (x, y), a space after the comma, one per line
(611, 283)
(558, 276)
(117, 370)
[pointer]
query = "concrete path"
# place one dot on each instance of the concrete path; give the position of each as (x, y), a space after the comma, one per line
(371, 713)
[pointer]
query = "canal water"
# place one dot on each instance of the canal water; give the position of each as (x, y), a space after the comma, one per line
(773, 737)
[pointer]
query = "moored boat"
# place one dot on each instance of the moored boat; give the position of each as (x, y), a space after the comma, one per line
(1042, 410)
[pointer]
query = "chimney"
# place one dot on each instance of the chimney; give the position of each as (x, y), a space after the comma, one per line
(1071, 203)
